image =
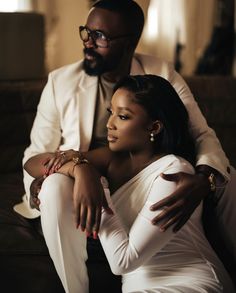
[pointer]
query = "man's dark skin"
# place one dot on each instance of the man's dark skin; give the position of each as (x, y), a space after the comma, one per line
(191, 189)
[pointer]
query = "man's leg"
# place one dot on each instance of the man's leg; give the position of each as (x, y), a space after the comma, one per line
(226, 213)
(66, 244)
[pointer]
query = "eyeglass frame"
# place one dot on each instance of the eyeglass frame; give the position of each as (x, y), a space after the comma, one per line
(108, 39)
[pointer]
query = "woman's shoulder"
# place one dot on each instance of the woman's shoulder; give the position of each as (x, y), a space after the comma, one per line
(176, 164)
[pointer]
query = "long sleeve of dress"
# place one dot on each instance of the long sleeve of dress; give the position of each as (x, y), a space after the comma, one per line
(127, 251)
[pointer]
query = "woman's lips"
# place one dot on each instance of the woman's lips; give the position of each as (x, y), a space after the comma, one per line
(111, 138)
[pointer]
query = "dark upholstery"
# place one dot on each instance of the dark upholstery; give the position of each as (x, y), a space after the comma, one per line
(217, 99)
(25, 265)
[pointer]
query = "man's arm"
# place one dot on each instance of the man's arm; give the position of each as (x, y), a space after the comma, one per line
(45, 133)
(211, 158)
(208, 148)
(191, 190)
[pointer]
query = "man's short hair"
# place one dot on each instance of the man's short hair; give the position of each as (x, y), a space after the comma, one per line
(130, 11)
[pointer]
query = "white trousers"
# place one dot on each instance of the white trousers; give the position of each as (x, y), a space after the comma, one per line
(66, 244)
(226, 212)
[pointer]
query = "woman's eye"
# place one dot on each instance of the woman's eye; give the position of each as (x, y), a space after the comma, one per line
(109, 111)
(123, 117)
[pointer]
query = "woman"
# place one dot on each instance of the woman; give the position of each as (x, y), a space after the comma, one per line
(146, 138)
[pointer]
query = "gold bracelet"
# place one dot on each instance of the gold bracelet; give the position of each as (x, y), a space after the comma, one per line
(79, 160)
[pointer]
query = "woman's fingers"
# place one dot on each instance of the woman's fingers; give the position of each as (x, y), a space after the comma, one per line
(77, 216)
(49, 166)
(90, 220)
(83, 217)
(97, 223)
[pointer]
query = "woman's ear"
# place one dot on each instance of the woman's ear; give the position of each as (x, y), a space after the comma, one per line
(156, 127)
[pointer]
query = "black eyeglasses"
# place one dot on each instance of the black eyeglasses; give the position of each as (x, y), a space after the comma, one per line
(98, 37)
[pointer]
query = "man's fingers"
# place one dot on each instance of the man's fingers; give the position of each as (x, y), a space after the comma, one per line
(34, 202)
(180, 223)
(167, 213)
(170, 222)
(167, 201)
(49, 166)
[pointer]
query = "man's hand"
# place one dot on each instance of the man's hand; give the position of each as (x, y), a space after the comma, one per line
(179, 206)
(34, 191)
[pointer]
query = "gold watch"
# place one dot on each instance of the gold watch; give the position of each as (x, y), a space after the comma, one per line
(211, 179)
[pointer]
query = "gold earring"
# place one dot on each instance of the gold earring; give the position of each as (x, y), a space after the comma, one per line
(152, 139)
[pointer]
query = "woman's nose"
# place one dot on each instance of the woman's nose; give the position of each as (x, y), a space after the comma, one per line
(110, 124)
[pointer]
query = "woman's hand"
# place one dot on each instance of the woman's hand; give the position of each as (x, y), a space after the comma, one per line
(89, 198)
(179, 206)
(58, 159)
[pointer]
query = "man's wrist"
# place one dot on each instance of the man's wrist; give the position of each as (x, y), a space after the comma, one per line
(211, 181)
(216, 180)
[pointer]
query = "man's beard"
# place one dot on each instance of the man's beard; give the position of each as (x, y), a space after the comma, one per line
(94, 67)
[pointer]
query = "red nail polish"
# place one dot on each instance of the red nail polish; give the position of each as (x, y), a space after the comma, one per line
(87, 234)
(44, 162)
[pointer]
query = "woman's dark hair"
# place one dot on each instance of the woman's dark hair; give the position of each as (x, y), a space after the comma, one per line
(157, 96)
(130, 12)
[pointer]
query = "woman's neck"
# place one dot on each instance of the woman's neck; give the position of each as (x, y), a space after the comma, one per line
(141, 160)
(126, 166)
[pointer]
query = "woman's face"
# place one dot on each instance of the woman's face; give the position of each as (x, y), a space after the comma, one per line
(129, 124)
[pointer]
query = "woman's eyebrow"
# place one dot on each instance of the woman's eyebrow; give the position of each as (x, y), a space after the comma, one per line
(126, 109)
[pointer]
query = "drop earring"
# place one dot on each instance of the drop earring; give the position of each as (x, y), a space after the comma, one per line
(152, 139)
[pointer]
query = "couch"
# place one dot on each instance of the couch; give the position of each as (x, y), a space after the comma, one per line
(25, 265)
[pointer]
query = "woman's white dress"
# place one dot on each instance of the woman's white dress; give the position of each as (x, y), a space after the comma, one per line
(150, 260)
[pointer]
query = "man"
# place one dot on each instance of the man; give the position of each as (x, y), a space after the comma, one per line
(71, 115)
